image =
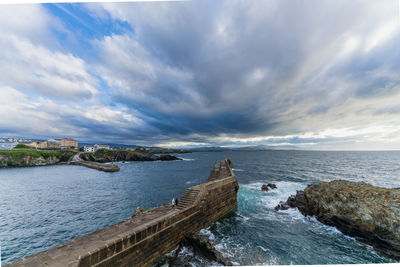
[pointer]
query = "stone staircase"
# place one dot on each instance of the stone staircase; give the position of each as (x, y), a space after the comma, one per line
(188, 198)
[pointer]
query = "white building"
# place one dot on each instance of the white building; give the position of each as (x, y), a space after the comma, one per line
(89, 148)
(7, 145)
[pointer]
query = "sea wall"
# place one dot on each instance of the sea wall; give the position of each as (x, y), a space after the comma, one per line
(96, 165)
(147, 236)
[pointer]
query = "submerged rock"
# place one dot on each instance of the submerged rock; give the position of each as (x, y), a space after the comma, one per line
(282, 206)
(370, 214)
(272, 186)
(264, 187)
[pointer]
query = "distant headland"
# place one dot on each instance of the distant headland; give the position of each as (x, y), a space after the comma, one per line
(28, 153)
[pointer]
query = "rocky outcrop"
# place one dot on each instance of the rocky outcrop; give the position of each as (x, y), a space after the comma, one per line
(370, 214)
(123, 155)
(265, 187)
(202, 245)
(167, 158)
(21, 158)
(272, 186)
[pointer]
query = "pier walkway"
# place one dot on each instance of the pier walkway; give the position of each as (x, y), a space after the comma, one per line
(105, 167)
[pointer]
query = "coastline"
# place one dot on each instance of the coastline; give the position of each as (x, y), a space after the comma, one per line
(37, 158)
(82, 201)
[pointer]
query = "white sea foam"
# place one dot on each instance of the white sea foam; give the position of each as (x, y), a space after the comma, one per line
(272, 198)
(241, 217)
(237, 170)
(265, 202)
(186, 159)
(207, 233)
(263, 249)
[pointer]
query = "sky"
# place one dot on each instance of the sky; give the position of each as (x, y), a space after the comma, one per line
(311, 74)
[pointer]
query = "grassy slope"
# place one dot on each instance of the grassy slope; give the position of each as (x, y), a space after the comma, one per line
(19, 155)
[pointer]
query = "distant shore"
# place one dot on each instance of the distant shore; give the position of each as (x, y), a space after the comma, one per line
(33, 157)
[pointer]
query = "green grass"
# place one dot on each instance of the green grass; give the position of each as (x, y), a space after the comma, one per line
(23, 146)
(103, 152)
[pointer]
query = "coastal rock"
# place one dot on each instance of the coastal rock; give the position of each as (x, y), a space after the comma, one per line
(202, 245)
(264, 187)
(291, 201)
(285, 205)
(104, 156)
(272, 186)
(167, 157)
(370, 214)
(282, 206)
(21, 158)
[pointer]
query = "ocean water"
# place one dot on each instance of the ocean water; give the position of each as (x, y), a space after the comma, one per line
(41, 207)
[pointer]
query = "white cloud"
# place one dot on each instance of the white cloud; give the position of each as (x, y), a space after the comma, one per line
(42, 117)
(383, 34)
(35, 68)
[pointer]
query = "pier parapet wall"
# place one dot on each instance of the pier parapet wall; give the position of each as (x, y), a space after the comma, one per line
(149, 235)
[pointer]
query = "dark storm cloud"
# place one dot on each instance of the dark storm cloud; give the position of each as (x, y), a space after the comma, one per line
(248, 67)
(312, 73)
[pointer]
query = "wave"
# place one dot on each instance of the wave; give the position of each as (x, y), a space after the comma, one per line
(186, 159)
(237, 170)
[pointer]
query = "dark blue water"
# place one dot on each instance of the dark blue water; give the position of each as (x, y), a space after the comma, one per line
(44, 206)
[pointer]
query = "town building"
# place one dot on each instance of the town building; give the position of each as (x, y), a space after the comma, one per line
(68, 142)
(7, 145)
(89, 148)
(53, 143)
(43, 144)
(33, 144)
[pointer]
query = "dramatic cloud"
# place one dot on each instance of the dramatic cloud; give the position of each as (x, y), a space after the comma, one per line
(26, 62)
(46, 118)
(315, 74)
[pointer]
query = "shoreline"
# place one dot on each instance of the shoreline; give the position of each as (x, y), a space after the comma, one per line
(37, 158)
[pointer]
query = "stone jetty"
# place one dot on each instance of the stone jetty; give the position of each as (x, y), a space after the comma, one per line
(147, 236)
(370, 214)
(105, 167)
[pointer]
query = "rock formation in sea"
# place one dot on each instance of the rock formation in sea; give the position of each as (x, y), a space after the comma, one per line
(201, 246)
(123, 155)
(265, 187)
(370, 214)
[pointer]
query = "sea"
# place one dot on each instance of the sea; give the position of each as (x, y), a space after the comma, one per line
(41, 207)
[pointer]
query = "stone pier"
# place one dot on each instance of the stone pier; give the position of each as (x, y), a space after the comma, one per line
(143, 239)
(105, 167)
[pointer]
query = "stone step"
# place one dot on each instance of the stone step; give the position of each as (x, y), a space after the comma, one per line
(185, 201)
(185, 197)
(188, 198)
